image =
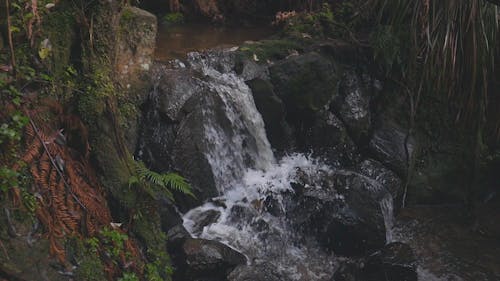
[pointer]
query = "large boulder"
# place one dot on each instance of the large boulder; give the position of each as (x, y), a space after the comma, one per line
(391, 145)
(346, 211)
(205, 260)
(273, 113)
(305, 83)
(135, 46)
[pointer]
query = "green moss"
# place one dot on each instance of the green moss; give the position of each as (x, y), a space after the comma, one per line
(90, 269)
(147, 227)
(59, 29)
(172, 18)
(127, 16)
(90, 266)
(270, 49)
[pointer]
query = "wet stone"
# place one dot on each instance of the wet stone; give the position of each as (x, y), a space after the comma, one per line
(206, 260)
(395, 262)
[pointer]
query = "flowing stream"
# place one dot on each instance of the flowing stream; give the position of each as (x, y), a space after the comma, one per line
(247, 174)
(255, 207)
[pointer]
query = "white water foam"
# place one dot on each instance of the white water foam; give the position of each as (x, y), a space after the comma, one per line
(259, 234)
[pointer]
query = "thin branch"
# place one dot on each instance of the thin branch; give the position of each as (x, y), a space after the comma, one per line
(54, 163)
(9, 34)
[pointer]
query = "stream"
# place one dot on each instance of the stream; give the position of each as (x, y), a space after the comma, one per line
(175, 41)
(302, 213)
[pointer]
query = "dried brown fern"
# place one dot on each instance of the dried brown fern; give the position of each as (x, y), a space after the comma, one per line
(70, 200)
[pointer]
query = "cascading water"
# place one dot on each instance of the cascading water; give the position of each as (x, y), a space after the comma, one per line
(243, 142)
(214, 117)
(247, 177)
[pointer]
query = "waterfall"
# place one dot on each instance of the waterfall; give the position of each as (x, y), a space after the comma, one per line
(242, 143)
(248, 178)
(387, 208)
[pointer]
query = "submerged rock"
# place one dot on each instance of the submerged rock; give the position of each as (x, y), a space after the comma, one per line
(206, 260)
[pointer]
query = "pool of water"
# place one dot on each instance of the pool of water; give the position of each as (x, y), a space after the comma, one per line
(174, 42)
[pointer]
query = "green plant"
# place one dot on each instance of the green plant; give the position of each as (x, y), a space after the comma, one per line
(114, 241)
(451, 46)
(173, 18)
(8, 179)
(128, 276)
(165, 183)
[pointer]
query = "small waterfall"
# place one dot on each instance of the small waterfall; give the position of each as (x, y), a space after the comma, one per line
(387, 208)
(249, 180)
(236, 141)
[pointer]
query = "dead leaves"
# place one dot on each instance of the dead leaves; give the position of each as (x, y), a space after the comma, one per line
(71, 201)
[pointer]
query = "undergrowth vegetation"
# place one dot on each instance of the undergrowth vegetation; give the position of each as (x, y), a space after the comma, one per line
(57, 88)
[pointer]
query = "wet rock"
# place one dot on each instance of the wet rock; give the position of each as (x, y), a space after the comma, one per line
(169, 215)
(328, 138)
(260, 272)
(250, 70)
(391, 146)
(203, 219)
(206, 260)
(343, 212)
(348, 271)
(177, 235)
(188, 153)
(395, 262)
(273, 113)
(387, 178)
(173, 89)
(241, 213)
(352, 104)
(305, 82)
(273, 206)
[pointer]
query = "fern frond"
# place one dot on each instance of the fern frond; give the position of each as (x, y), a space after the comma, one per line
(166, 182)
(178, 183)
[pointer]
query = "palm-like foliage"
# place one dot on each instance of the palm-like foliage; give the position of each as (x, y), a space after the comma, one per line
(165, 182)
(450, 46)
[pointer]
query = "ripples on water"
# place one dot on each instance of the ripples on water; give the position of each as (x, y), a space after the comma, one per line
(174, 42)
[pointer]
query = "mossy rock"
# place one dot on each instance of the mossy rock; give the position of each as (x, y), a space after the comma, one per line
(272, 49)
(306, 82)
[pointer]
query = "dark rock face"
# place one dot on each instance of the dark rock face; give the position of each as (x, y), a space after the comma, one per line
(261, 272)
(345, 213)
(305, 83)
(391, 146)
(395, 262)
(206, 260)
(348, 271)
(203, 219)
(329, 140)
(273, 113)
(352, 104)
